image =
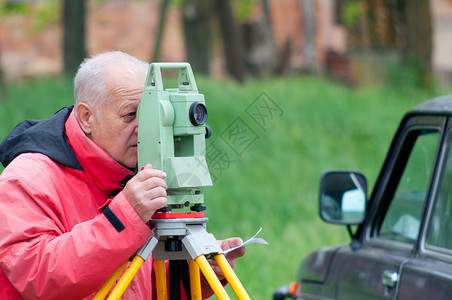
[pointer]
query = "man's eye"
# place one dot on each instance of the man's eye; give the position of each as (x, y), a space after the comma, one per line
(129, 116)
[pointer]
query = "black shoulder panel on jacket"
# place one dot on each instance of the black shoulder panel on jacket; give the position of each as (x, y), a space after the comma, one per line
(41, 136)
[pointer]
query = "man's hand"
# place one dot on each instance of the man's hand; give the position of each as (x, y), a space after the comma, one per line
(230, 256)
(146, 191)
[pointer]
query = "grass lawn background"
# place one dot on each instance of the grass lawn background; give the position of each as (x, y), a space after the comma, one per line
(266, 161)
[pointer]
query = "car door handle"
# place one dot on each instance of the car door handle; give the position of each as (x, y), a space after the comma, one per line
(389, 278)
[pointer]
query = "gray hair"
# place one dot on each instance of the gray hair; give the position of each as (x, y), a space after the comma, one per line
(90, 82)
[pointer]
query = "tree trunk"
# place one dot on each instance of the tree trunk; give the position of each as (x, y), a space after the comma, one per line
(158, 40)
(309, 50)
(195, 15)
(232, 41)
(419, 44)
(259, 44)
(74, 49)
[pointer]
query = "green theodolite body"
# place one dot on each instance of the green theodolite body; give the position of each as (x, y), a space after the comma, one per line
(168, 138)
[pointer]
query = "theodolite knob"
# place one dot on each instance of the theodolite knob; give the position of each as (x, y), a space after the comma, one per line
(208, 132)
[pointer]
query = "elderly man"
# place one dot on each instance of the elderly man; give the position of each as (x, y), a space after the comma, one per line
(68, 182)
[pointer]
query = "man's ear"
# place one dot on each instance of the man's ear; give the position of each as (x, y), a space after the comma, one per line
(85, 116)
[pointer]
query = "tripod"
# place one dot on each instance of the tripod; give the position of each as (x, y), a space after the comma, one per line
(178, 237)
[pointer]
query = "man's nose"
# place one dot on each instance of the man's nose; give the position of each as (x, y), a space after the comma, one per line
(136, 126)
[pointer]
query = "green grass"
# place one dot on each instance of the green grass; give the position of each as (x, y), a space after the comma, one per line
(35, 99)
(317, 125)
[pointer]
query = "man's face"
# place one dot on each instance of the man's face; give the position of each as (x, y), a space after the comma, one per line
(115, 128)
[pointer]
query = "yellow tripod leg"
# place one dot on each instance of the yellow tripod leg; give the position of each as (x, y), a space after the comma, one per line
(233, 280)
(160, 275)
(211, 278)
(195, 280)
(108, 284)
(126, 278)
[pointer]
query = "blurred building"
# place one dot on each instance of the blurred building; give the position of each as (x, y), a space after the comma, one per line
(308, 33)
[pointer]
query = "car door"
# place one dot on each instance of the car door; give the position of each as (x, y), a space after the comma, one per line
(371, 268)
(428, 275)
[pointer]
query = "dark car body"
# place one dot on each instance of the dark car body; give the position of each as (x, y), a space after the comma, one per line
(402, 247)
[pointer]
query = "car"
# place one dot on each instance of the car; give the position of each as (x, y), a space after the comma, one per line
(401, 235)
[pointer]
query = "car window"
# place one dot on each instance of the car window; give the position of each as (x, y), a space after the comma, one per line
(439, 231)
(402, 219)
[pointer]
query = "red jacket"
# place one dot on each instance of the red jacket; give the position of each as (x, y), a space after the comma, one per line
(55, 242)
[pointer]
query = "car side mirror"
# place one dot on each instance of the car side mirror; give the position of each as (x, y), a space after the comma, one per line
(343, 197)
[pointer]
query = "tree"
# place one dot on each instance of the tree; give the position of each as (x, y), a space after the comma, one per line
(259, 44)
(158, 39)
(309, 49)
(232, 40)
(418, 45)
(74, 49)
(195, 16)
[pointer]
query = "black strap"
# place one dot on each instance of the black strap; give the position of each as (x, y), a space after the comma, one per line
(114, 220)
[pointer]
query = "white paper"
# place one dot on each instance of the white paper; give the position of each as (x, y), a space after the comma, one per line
(253, 239)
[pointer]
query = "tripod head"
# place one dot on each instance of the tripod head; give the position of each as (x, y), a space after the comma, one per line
(172, 133)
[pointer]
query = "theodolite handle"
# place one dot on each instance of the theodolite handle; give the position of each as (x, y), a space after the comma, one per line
(186, 79)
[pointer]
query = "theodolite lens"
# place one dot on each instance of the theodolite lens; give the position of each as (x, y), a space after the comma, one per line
(198, 114)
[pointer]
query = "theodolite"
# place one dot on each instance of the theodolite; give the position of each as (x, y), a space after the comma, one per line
(171, 136)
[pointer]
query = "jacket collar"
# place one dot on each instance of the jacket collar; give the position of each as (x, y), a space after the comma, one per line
(101, 169)
(41, 136)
